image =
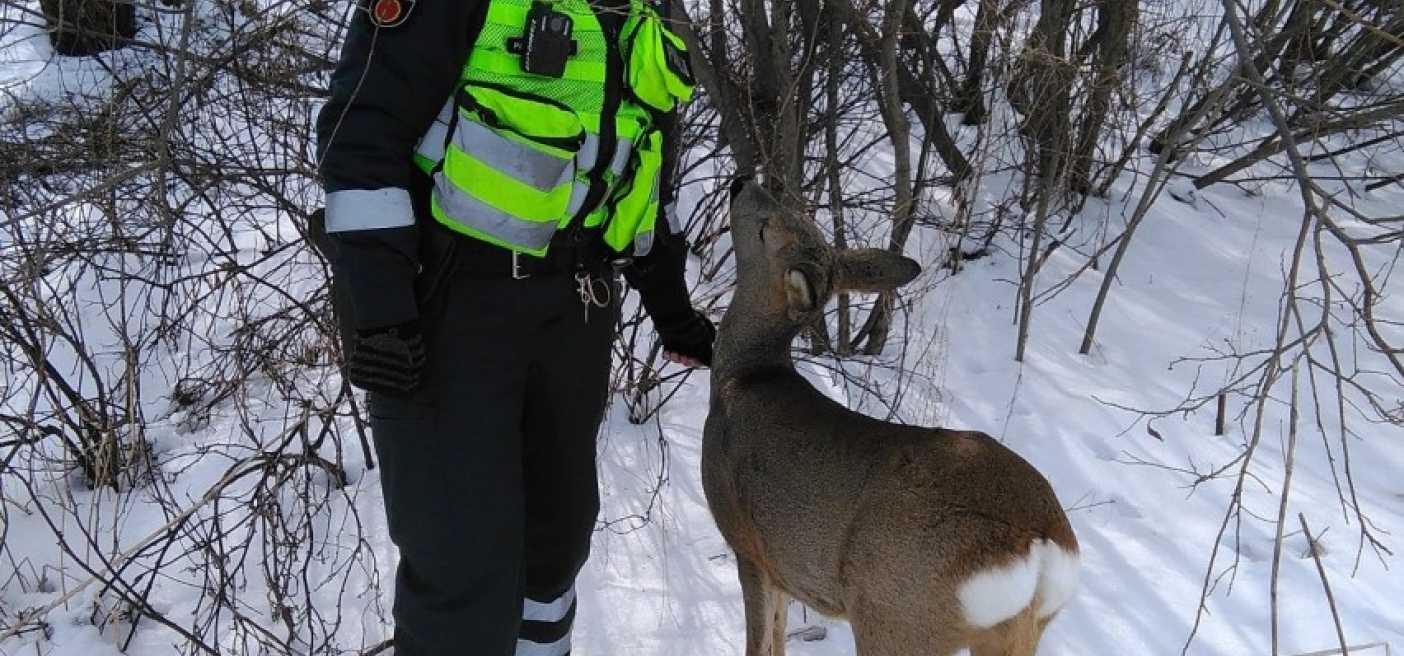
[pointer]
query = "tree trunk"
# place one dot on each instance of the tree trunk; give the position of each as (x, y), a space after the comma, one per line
(78, 28)
(899, 132)
(1041, 87)
(1116, 21)
(970, 101)
(913, 91)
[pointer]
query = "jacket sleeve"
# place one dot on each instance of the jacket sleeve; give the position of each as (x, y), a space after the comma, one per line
(386, 90)
(660, 276)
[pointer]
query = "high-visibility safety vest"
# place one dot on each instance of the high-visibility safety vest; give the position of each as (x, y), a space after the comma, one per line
(516, 156)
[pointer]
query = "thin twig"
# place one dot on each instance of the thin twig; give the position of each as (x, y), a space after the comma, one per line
(1282, 504)
(1325, 585)
(234, 473)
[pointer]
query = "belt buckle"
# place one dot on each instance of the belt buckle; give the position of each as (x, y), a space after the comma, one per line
(517, 267)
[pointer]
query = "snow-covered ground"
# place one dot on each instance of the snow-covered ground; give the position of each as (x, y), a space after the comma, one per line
(1197, 277)
(1204, 276)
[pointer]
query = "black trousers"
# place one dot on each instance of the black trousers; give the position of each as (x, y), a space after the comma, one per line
(488, 471)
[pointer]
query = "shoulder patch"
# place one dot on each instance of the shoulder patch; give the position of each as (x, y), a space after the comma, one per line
(389, 13)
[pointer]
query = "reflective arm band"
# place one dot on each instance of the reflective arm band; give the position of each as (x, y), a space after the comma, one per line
(369, 209)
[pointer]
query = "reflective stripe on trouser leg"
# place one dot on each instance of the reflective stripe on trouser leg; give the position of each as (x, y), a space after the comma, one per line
(546, 626)
(558, 648)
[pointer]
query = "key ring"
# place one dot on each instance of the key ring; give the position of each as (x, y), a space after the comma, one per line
(593, 291)
(600, 292)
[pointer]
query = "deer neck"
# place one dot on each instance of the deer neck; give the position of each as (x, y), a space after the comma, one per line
(748, 340)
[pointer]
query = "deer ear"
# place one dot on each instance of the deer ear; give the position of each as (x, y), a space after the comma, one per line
(799, 292)
(872, 270)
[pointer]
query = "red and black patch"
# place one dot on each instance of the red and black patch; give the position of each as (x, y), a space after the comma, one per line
(389, 13)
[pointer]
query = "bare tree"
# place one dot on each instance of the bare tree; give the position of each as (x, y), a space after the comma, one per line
(167, 334)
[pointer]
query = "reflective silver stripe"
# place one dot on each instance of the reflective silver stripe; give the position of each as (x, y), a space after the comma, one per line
(550, 611)
(622, 150)
(670, 212)
(577, 197)
(643, 243)
(558, 648)
(431, 145)
(584, 161)
(488, 219)
(533, 167)
(368, 209)
(585, 157)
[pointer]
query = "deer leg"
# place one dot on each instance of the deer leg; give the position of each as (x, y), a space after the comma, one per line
(760, 597)
(1016, 637)
(879, 632)
(780, 604)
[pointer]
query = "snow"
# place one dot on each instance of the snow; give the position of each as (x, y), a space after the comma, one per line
(1204, 277)
(1195, 278)
(30, 71)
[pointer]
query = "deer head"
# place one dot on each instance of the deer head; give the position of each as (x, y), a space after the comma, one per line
(785, 274)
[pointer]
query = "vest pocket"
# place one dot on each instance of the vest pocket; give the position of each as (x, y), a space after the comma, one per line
(508, 168)
(656, 65)
(634, 204)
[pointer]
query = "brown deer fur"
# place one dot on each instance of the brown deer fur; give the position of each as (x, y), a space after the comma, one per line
(927, 540)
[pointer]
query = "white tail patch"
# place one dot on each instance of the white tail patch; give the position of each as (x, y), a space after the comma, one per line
(999, 593)
(1057, 579)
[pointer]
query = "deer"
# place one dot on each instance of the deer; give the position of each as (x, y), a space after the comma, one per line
(927, 540)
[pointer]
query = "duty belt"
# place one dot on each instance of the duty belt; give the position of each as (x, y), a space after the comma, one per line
(476, 258)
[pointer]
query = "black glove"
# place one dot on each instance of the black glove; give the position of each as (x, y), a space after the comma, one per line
(690, 336)
(387, 360)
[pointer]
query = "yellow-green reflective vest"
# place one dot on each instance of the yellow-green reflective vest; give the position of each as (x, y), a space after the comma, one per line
(516, 156)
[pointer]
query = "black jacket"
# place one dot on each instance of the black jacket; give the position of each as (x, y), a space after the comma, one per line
(386, 90)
